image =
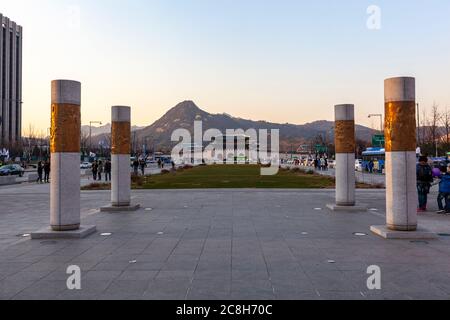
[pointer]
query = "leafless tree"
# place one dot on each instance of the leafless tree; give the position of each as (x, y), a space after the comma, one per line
(446, 124)
(84, 140)
(433, 122)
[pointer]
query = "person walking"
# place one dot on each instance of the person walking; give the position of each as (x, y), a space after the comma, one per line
(95, 170)
(107, 170)
(142, 164)
(100, 170)
(370, 166)
(444, 191)
(322, 164)
(40, 170)
(136, 167)
(47, 172)
(424, 180)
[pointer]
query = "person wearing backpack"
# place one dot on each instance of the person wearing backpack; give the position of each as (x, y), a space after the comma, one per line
(424, 181)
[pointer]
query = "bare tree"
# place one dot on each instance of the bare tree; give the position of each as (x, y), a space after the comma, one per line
(435, 119)
(422, 128)
(446, 124)
(84, 140)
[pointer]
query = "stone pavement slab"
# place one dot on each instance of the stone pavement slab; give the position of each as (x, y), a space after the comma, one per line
(219, 244)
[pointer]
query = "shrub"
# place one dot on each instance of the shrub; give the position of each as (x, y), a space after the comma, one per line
(97, 186)
(137, 180)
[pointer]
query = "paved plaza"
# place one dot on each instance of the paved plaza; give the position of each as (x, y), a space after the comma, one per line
(218, 244)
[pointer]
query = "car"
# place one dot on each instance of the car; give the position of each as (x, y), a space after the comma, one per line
(359, 165)
(86, 165)
(12, 170)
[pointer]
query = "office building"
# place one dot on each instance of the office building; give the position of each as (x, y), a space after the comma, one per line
(10, 82)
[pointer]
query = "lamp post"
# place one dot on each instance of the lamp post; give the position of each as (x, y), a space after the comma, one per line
(90, 133)
(381, 120)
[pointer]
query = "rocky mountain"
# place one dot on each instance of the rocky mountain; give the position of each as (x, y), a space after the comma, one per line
(105, 129)
(185, 113)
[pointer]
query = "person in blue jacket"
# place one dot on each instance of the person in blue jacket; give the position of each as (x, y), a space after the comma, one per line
(444, 192)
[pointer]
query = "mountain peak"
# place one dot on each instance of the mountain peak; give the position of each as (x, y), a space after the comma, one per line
(186, 110)
(186, 105)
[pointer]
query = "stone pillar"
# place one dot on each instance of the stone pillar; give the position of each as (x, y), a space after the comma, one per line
(401, 143)
(345, 154)
(65, 155)
(65, 164)
(345, 143)
(120, 160)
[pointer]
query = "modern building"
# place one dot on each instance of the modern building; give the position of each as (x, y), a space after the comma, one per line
(10, 82)
(233, 149)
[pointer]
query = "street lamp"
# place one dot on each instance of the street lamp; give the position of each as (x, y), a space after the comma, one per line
(90, 133)
(381, 120)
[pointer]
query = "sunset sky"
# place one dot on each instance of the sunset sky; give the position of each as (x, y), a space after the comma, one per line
(281, 61)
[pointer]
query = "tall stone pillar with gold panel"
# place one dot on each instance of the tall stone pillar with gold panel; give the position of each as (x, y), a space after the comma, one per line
(401, 144)
(345, 159)
(120, 161)
(65, 220)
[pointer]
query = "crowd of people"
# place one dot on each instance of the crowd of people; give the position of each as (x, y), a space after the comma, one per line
(99, 168)
(139, 165)
(43, 171)
(426, 178)
(321, 164)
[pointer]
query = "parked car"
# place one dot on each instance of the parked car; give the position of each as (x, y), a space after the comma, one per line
(359, 166)
(86, 165)
(12, 170)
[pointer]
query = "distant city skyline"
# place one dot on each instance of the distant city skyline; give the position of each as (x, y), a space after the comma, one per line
(285, 61)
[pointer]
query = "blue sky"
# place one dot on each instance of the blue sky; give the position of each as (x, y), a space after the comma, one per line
(282, 61)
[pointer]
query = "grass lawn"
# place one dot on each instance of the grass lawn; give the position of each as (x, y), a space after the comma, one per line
(228, 176)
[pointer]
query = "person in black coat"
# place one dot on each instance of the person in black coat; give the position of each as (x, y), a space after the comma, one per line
(47, 171)
(94, 170)
(40, 171)
(107, 171)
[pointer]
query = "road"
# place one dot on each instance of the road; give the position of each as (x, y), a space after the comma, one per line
(85, 175)
(361, 177)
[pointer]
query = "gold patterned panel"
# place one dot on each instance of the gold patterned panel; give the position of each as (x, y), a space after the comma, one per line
(400, 126)
(65, 128)
(345, 136)
(121, 138)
